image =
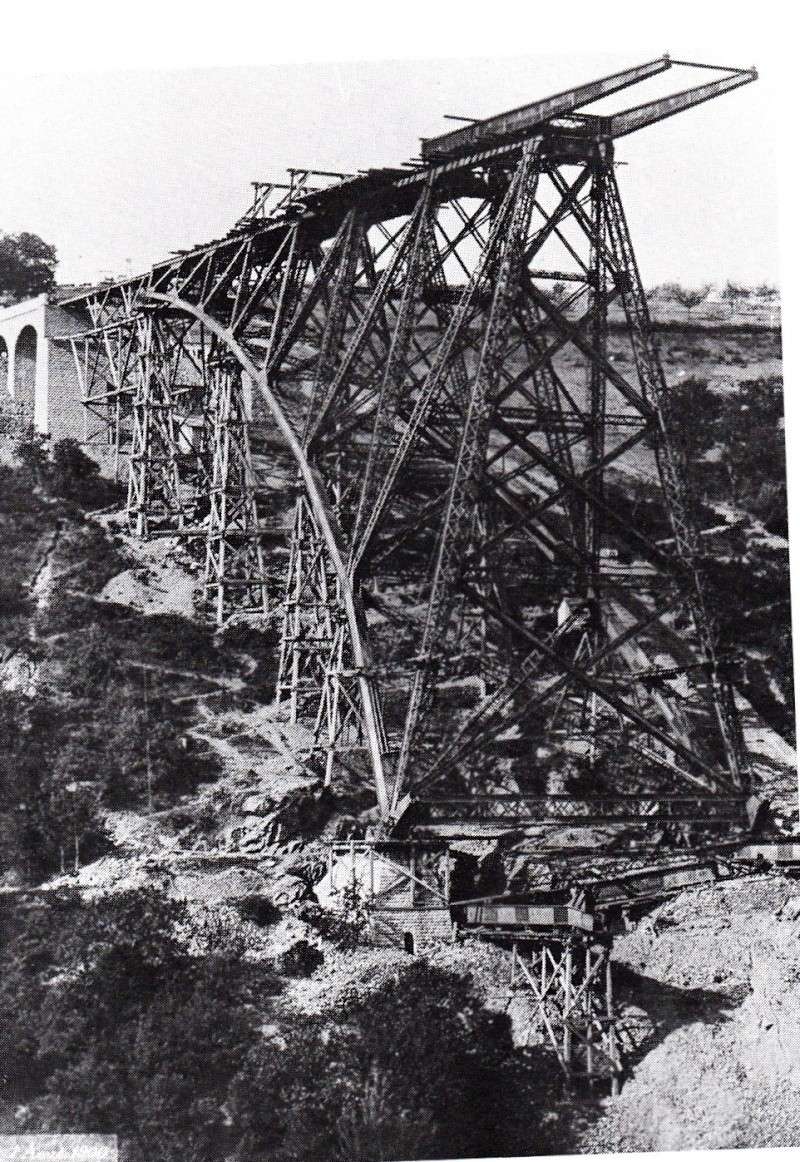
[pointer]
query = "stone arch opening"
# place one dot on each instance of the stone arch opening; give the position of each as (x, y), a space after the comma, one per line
(25, 355)
(5, 386)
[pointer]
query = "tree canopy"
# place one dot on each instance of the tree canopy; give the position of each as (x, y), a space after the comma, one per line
(689, 297)
(114, 1026)
(27, 267)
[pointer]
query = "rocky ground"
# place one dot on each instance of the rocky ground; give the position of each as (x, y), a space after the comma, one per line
(710, 987)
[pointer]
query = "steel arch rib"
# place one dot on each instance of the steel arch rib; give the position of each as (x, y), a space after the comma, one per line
(320, 511)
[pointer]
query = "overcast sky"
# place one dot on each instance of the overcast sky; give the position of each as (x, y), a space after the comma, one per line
(118, 169)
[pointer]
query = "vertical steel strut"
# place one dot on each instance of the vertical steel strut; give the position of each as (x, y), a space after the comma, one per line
(504, 251)
(673, 475)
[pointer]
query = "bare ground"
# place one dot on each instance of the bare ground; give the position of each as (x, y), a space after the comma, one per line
(710, 985)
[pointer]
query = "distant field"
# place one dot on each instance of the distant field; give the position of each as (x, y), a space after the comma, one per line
(723, 358)
(752, 312)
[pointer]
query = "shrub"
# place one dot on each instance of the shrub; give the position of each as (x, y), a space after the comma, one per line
(113, 1027)
(14, 598)
(32, 453)
(64, 471)
(258, 909)
(344, 930)
(72, 472)
(689, 297)
(418, 1069)
(301, 959)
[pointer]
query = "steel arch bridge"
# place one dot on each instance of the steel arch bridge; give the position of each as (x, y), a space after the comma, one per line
(409, 371)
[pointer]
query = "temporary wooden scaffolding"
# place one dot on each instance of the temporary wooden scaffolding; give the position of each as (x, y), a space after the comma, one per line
(565, 978)
(558, 983)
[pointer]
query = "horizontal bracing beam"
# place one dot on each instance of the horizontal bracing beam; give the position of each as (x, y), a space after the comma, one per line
(524, 810)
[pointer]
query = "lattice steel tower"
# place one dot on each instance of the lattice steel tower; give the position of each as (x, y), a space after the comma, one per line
(492, 604)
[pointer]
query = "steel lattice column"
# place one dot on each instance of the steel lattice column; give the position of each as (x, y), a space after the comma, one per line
(235, 578)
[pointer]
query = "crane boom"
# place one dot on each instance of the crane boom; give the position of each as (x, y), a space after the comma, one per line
(517, 121)
(629, 120)
(518, 124)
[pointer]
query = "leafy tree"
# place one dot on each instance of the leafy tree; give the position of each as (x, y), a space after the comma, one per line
(72, 473)
(558, 292)
(418, 1070)
(143, 759)
(690, 297)
(46, 804)
(32, 453)
(27, 267)
(693, 411)
(732, 292)
(114, 1027)
(66, 812)
(63, 471)
(141, 756)
(91, 663)
(752, 430)
(770, 506)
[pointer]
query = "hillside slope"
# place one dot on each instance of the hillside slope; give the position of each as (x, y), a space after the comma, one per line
(710, 990)
(196, 788)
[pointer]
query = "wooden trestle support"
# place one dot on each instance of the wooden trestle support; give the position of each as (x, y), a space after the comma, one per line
(235, 575)
(563, 985)
(316, 677)
(162, 393)
(557, 982)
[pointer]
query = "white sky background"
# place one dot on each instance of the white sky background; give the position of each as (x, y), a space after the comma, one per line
(117, 168)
